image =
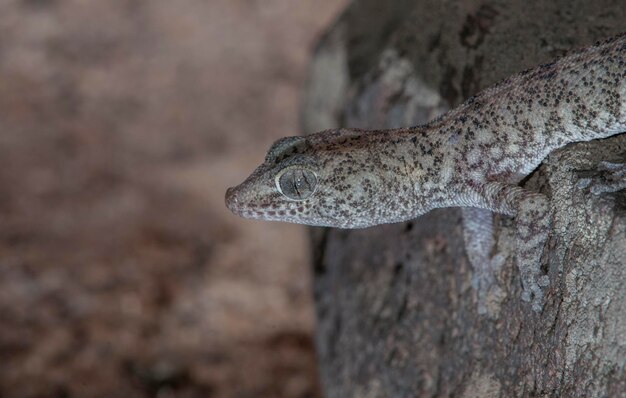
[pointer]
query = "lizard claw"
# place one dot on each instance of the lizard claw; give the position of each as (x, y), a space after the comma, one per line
(532, 290)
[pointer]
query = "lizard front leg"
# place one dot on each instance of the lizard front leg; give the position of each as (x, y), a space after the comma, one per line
(480, 248)
(533, 220)
(532, 215)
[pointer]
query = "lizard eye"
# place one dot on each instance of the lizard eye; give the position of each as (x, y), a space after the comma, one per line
(296, 183)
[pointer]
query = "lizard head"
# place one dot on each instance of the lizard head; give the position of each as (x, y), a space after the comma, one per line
(325, 179)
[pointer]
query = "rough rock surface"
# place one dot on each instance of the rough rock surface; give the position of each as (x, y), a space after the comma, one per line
(397, 313)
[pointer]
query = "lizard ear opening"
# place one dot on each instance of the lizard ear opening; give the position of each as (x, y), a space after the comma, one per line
(296, 183)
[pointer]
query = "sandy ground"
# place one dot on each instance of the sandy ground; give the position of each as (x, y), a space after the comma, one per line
(122, 122)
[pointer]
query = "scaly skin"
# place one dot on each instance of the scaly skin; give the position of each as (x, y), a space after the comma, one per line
(473, 156)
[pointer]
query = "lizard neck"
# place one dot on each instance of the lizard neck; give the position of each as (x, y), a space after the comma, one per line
(431, 169)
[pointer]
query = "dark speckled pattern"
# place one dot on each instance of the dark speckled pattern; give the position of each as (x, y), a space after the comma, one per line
(500, 135)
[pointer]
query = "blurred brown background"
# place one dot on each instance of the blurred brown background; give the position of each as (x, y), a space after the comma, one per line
(122, 274)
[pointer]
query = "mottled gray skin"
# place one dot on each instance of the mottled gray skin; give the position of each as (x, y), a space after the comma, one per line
(473, 156)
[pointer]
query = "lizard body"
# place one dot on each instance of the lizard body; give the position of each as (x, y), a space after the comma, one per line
(473, 157)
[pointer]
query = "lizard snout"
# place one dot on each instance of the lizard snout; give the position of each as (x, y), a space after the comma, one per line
(231, 200)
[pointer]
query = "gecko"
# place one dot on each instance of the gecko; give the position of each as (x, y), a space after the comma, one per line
(473, 156)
